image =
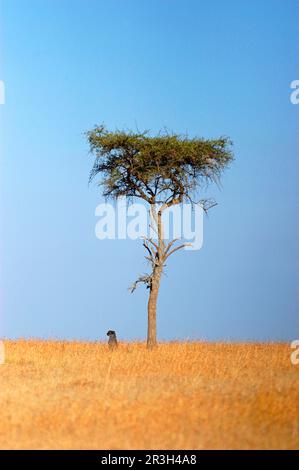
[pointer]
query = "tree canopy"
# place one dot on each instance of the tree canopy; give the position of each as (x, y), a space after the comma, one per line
(163, 169)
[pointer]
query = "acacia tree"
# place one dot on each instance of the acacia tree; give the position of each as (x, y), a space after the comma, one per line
(163, 170)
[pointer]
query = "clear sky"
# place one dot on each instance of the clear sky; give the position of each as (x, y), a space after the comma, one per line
(209, 67)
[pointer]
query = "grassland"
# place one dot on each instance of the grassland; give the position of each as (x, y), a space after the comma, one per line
(64, 395)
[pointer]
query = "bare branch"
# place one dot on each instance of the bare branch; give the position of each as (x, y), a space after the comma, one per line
(150, 240)
(148, 249)
(177, 248)
(207, 204)
(145, 279)
(170, 245)
(151, 260)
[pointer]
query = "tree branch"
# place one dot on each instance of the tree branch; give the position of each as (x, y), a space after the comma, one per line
(176, 249)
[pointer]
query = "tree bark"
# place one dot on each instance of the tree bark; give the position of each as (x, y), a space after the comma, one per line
(152, 311)
(156, 278)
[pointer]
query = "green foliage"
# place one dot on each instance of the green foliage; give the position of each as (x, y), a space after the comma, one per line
(166, 168)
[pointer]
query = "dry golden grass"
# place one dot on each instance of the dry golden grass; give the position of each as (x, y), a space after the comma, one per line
(65, 395)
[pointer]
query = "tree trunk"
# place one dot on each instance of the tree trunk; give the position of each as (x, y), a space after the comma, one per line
(155, 282)
(152, 312)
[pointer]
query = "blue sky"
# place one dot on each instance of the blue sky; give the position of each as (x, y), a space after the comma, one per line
(209, 67)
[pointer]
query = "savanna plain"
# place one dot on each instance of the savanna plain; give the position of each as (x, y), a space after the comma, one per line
(181, 395)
